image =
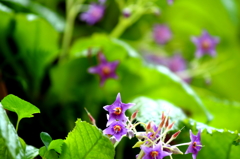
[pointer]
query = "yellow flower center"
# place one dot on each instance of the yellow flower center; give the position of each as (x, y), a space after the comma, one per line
(117, 128)
(117, 110)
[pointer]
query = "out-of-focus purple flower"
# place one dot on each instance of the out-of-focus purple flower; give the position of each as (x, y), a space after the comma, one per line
(117, 110)
(155, 152)
(170, 2)
(195, 145)
(116, 129)
(176, 63)
(161, 33)
(105, 69)
(94, 14)
(205, 44)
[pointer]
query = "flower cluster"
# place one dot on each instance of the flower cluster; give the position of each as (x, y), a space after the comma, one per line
(153, 142)
(117, 121)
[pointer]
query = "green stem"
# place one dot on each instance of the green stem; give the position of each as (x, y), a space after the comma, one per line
(72, 9)
(124, 23)
(140, 154)
(17, 124)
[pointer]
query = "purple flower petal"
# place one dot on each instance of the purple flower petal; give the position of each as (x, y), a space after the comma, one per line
(195, 145)
(94, 14)
(162, 34)
(117, 110)
(205, 44)
(116, 129)
(105, 69)
(155, 152)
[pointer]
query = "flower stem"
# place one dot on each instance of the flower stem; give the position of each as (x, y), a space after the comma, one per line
(17, 124)
(124, 23)
(72, 9)
(140, 154)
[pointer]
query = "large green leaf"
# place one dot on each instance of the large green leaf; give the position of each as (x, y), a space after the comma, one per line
(86, 142)
(151, 110)
(23, 108)
(10, 146)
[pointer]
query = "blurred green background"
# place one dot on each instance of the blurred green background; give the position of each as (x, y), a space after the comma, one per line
(31, 33)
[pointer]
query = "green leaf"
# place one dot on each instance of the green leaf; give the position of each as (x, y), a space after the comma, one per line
(31, 152)
(151, 110)
(45, 154)
(56, 145)
(23, 108)
(10, 146)
(46, 138)
(86, 142)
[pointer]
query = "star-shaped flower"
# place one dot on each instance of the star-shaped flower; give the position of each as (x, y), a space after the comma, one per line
(195, 145)
(105, 69)
(162, 34)
(117, 110)
(155, 152)
(116, 129)
(205, 44)
(94, 14)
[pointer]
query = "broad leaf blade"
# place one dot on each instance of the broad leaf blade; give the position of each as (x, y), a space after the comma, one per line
(10, 146)
(31, 152)
(151, 110)
(56, 145)
(23, 108)
(87, 142)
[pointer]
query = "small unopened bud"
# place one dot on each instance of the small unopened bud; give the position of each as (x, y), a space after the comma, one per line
(90, 117)
(175, 150)
(149, 126)
(126, 12)
(162, 122)
(134, 115)
(175, 135)
(167, 122)
(130, 134)
(163, 116)
(170, 126)
(113, 139)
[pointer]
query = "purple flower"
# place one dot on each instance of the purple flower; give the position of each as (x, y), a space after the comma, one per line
(155, 152)
(177, 63)
(94, 14)
(195, 144)
(116, 129)
(117, 110)
(161, 34)
(105, 69)
(205, 44)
